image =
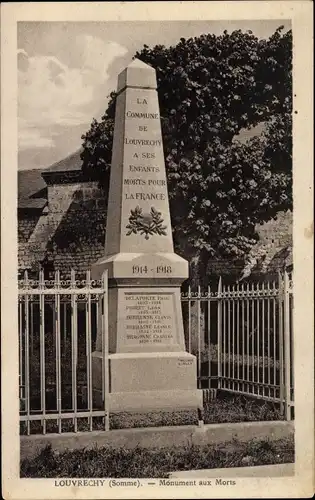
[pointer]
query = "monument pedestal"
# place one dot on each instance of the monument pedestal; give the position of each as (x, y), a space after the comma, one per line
(149, 368)
(142, 382)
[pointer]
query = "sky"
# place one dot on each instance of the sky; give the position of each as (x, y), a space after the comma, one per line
(67, 70)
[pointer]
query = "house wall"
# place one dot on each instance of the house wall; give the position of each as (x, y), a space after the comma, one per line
(70, 234)
(59, 195)
(26, 225)
(80, 238)
(274, 236)
(273, 251)
(278, 232)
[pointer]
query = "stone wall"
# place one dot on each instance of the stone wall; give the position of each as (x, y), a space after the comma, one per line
(277, 231)
(71, 234)
(80, 238)
(275, 237)
(60, 194)
(26, 225)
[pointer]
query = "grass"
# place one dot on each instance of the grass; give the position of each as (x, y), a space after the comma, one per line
(210, 353)
(233, 408)
(223, 409)
(126, 420)
(150, 463)
(122, 420)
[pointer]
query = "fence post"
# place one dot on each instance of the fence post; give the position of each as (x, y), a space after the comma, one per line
(219, 333)
(189, 319)
(287, 347)
(209, 337)
(32, 326)
(57, 286)
(41, 286)
(88, 347)
(281, 350)
(21, 354)
(105, 348)
(27, 354)
(199, 335)
(74, 346)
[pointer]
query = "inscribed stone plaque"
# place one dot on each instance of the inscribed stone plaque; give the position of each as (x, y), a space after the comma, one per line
(149, 319)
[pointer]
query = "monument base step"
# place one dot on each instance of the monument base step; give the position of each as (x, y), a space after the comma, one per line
(148, 381)
(151, 371)
(150, 401)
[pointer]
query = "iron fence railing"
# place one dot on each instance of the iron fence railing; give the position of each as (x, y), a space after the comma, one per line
(58, 320)
(242, 335)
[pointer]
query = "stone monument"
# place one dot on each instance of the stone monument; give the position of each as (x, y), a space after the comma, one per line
(149, 367)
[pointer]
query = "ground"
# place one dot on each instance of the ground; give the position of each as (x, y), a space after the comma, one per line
(223, 409)
(150, 463)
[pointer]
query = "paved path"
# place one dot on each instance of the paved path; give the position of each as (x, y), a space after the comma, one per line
(282, 470)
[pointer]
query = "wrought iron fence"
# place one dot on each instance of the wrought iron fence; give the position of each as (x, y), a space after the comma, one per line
(58, 321)
(242, 336)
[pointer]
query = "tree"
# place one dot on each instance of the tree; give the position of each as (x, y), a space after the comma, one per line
(210, 89)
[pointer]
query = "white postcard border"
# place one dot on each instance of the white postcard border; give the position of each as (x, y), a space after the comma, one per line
(301, 15)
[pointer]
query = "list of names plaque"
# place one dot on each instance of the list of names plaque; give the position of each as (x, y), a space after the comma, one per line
(149, 318)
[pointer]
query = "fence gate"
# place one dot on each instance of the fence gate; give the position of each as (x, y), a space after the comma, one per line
(58, 323)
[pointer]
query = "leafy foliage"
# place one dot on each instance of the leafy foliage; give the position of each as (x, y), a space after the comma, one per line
(210, 89)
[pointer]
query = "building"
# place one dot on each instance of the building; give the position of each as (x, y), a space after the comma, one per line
(61, 218)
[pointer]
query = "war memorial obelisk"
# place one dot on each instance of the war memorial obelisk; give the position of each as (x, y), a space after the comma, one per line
(149, 368)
